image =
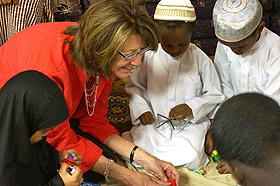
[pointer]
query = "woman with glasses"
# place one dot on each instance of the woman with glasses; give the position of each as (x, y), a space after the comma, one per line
(83, 58)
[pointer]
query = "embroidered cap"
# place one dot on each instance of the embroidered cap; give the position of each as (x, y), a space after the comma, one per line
(235, 20)
(175, 10)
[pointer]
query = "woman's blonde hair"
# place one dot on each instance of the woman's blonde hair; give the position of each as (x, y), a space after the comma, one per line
(103, 30)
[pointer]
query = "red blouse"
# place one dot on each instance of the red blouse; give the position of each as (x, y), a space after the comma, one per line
(41, 47)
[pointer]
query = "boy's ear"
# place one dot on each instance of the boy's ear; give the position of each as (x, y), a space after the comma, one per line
(236, 171)
(261, 27)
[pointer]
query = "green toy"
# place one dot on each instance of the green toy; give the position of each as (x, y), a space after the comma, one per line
(216, 156)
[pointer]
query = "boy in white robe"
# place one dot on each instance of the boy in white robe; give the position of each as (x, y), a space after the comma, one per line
(247, 57)
(173, 92)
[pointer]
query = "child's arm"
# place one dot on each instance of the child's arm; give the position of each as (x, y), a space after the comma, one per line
(136, 87)
(209, 145)
(205, 102)
(272, 86)
(222, 65)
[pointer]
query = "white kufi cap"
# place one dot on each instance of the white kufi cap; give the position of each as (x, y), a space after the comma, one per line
(175, 10)
(235, 20)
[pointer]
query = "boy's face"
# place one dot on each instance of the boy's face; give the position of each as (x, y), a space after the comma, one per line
(175, 41)
(240, 47)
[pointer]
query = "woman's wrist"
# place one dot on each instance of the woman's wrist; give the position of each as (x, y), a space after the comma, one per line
(131, 159)
(122, 174)
(107, 170)
(141, 157)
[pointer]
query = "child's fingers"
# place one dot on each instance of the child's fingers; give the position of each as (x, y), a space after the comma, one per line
(147, 118)
(77, 162)
(63, 167)
(78, 173)
(73, 152)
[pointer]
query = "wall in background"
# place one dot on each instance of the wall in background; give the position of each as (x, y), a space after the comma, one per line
(204, 36)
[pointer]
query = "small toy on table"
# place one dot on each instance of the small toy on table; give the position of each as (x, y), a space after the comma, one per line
(216, 156)
(201, 171)
(69, 160)
(172, 181)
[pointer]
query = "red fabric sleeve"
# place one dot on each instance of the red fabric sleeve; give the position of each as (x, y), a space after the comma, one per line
(63, 137)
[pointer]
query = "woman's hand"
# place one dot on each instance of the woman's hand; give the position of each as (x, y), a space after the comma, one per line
(64, 154)
(75, 179)
(147, 118)
(160, 169)
(147, 180)
(4, 2)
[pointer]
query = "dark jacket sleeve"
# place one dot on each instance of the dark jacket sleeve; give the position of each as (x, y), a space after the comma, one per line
(56, 181)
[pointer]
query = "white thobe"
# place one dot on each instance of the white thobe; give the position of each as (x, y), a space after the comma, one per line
(163, 82)
(257, 70)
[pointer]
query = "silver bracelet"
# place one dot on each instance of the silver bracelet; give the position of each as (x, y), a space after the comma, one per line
(107, 170)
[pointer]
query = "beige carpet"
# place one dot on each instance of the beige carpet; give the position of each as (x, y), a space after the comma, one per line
(190, 178)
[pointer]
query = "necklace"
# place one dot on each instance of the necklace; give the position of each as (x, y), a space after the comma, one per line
(89, 92)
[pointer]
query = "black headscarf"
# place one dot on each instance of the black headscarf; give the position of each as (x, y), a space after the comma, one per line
(29, 101)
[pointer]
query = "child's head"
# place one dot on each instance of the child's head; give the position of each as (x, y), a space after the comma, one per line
(30, 105)
(238, 24)
(245, 132)
(176, 20)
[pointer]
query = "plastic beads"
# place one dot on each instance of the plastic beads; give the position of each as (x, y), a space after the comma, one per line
(201, 171)
(172, 181)
(216, 156)
(69, 160)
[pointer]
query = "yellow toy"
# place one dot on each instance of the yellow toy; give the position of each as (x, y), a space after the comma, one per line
(216, 156)
(201, 171)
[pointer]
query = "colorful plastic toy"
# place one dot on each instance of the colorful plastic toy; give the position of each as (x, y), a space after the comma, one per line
(69, 160)
(172, 181)
(216, 156)
(201, 171)
(88, 183)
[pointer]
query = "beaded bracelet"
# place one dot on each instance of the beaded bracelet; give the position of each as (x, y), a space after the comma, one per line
(107, 170)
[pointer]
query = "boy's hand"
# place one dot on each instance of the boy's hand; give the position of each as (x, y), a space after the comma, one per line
(64, 154)
(70, 180)
(222, 168)
(180, 112)
(147, 118)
